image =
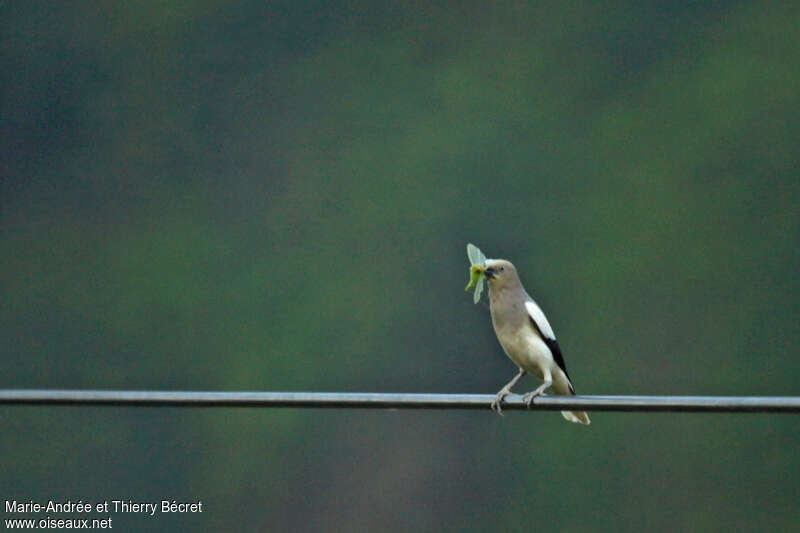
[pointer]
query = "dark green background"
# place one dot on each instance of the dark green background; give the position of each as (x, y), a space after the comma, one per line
(278, 195)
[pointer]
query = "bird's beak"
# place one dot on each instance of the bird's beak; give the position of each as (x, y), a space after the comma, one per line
(489, 273)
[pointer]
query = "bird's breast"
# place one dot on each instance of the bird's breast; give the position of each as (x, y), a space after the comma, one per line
(525, 348)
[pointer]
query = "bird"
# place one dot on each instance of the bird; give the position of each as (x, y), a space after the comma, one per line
(526, 337)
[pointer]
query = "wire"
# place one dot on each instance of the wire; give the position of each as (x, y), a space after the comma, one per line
(369, 400)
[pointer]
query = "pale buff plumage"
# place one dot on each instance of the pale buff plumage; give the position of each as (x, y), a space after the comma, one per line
(526, 337)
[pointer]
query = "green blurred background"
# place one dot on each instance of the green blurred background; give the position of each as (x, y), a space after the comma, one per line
(277, 196)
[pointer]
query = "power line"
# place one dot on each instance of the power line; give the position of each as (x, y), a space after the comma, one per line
(370, 400)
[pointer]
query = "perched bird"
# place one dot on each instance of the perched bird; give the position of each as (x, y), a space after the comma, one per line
(526, 337)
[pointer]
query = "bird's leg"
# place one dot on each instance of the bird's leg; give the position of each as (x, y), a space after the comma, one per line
(529, 396)
(505, 391)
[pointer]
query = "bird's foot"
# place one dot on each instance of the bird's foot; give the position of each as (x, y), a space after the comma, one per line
(498, 399)
(529, 396)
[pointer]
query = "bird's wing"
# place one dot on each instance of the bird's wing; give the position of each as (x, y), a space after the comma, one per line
(541, 324)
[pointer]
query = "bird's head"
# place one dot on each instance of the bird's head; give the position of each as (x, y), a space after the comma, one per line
(500, 273)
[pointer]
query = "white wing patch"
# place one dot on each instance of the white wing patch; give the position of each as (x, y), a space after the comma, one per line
(538, 316)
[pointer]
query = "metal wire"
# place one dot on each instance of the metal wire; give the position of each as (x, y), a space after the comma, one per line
(369, 400)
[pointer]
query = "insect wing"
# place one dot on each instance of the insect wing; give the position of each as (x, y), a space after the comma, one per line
(478, 290)
(475, 255)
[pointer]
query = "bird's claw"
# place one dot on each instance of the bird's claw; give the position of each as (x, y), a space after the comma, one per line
(529, 396)
(498, 399)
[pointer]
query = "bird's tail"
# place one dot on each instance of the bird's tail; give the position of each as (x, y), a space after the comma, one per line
(579, 417)
(565, 387)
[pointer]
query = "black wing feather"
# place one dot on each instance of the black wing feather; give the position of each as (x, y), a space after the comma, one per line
(554, 349)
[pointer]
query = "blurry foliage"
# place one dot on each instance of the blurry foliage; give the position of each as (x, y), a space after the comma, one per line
(276, 196)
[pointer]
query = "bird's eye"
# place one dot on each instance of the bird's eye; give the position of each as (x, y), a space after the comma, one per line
(502, 268)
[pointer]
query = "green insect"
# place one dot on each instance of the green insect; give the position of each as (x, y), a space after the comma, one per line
(477, 262)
